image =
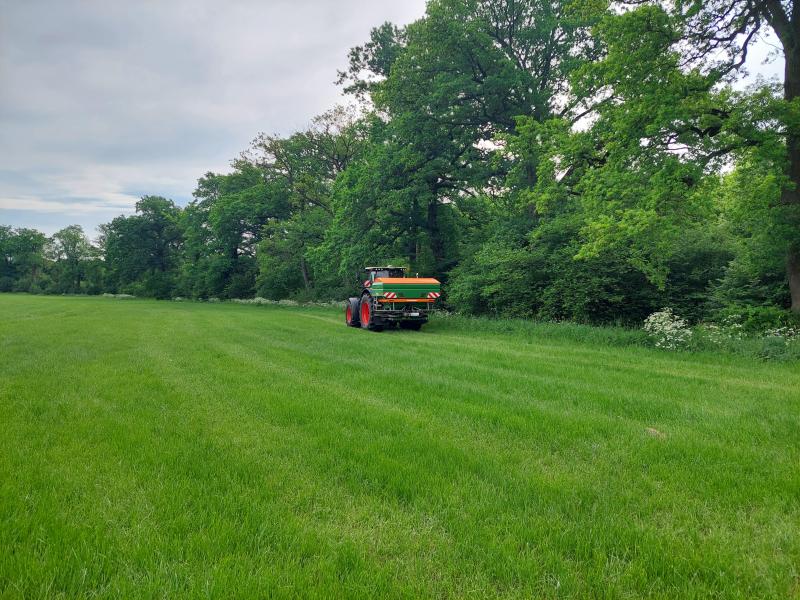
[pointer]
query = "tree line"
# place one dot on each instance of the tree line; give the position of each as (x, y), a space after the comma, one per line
(553, 159)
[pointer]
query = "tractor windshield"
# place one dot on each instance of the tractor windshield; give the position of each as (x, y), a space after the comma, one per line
(388, 272)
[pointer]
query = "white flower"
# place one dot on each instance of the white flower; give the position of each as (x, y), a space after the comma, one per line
(667, 329)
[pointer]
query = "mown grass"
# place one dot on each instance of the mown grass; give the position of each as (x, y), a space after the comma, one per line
(156, 449)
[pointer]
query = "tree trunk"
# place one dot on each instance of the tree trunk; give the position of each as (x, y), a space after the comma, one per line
(791, 195)
(304, 270)
(435, 233)
(793, 272)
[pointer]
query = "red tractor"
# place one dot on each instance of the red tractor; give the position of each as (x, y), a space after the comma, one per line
(388, 298)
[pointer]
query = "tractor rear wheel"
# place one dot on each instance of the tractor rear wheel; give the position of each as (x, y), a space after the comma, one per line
(351, 313)
(367, 314)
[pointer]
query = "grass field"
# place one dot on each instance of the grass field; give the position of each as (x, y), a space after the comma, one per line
(154, 449)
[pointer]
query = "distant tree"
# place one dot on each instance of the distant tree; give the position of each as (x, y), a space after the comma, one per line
(6, 267)
(223, 226)
(142, 250)
(22, 261)
(70, 252)
(304, 167)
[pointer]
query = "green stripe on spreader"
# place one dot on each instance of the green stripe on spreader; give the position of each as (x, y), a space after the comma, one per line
(406, 290)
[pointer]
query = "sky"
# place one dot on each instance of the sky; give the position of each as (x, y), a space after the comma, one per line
(104, 101)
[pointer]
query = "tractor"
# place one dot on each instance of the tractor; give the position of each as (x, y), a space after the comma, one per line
(391, 299)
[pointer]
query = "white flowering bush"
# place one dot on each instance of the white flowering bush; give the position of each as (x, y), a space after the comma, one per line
(730, 330)
(264, 301)
(787, 334)
(256, 300)
(667, 329)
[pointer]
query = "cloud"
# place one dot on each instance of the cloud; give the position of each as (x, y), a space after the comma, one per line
(102, 102)
(36, 205)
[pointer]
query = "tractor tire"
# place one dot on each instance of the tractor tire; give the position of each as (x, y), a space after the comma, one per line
(351, 313)
(411, 325)
(366, 314)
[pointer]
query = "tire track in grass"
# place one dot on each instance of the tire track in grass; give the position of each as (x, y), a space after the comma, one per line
(676, 366)
(364, 397)
(235, 350)
(460, 481)
(635, 395)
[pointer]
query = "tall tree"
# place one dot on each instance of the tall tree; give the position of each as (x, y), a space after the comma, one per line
(456, 79)
(305, 166)
(639, 158)
(718, 36)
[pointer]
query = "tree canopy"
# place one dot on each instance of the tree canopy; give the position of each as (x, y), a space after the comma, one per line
(560, 159)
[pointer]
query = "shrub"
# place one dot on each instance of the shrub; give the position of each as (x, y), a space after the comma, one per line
(781, 343)
(667, 329)
(266, 301)
(256, 300)
(758, 319)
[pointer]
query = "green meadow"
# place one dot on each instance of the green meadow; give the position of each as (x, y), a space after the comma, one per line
(161, 449)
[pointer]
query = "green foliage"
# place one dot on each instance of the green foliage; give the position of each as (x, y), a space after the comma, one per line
(23, 262)
(758, 319)
(142, 251)
(760, 228)
(75, 265)
(530, 330)
(560, 160)
(776, 348)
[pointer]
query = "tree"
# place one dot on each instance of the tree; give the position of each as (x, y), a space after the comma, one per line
(22, 266)
(451, 83)
(372, 62)
(750, 197)
(142, 250)
(717, 36)
(639, 165)
(223, 227)
(6, 268)
(304, 167)
(70, 251)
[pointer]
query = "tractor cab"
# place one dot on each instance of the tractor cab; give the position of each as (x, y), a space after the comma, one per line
(374, 273)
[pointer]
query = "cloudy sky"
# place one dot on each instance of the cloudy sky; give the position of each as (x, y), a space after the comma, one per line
(103, 101)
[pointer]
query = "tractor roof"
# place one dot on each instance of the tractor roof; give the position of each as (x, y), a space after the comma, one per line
(386, 268)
